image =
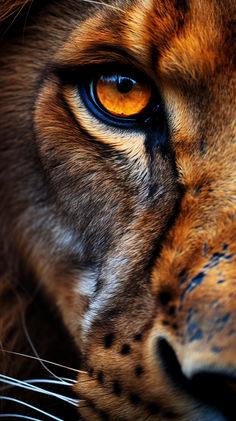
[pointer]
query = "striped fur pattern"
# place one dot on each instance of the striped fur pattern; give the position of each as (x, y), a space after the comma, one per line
(118, 242)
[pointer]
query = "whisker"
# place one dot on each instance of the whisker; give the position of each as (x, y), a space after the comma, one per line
(22, 314)
(33, 347)
(27, 15)
(23, 417)
(72, 381)
(104, 4)
(42, 359)
(15, 17)
(49, 381)
(24, 385)
(7, 398)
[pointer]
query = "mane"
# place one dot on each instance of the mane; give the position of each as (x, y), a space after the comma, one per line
(25, 311)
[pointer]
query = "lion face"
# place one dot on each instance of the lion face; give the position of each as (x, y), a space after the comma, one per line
(118, 128)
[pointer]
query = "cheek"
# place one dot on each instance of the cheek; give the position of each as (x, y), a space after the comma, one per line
(64, 292)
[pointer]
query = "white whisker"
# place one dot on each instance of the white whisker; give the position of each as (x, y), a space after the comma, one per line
(109, 6)
(7, 398)
(25, 385)
(66, 379)
(46, 381)
(23, 417)
(42, 359)
(34, 349)
(49, 381)
(22, 314)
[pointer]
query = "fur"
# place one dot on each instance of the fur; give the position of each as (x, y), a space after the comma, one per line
(118, 245)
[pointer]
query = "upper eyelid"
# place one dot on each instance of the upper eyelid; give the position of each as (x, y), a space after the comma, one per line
(72, 74)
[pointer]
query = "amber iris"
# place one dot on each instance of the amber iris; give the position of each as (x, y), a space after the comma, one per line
(122, 95)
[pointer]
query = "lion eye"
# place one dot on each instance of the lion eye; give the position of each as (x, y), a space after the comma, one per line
(121, 95)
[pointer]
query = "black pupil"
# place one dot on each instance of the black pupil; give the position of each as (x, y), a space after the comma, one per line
(124, 84)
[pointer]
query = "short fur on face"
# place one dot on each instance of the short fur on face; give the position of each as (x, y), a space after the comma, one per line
(118, 241)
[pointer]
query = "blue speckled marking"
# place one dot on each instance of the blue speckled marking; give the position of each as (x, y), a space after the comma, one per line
(223, 320)
(205, 249)
(202, 146)
(216, 349)
(191, 312)
(230, 256)
(184, 278)
(197, 336)
(221, 281)
(214, 303)
(193, 284)
(192, 328)
(216, 258)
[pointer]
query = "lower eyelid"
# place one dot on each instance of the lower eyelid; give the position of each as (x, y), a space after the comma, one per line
(85, 117)
(130, 141)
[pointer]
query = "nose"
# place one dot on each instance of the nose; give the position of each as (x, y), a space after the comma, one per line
(213, 387)
(195, 330)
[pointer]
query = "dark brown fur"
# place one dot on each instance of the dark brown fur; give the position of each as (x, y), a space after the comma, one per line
(149, 230)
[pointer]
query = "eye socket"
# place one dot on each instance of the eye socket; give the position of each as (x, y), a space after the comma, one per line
(118, 95)
(122, 95)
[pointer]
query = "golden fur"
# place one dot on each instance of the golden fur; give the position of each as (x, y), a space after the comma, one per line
(118, 245)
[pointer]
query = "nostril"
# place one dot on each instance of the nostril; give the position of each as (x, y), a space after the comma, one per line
(170, 362)
(214, 389)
